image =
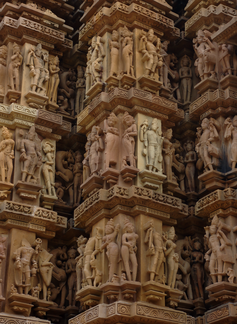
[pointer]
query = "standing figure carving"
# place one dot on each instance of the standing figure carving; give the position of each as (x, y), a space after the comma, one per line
(172, 258)
(3, 63)
(231, 136)
(111, 141)
(128, 139)
(97, 146)
(37, 60)
(67, 89)
(155, 252)
(85, 162)
(81, 245)
(6, 155)
(153, 145)
(72, 275)
(151, 58)
(54, 79)
(108, 242)
(114, 53)
(31, 158)
(48, 169)
(97, 56)
(197, 271)
(127, 51)
(190, 161)
(80, 90)
(13, 68)
(207, 147)
(129, 249)
(2, 257)
(185, 74)
(77, 172)
(168, 153)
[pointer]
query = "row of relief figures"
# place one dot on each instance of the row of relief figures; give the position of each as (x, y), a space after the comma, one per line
(172, 263)
(43, 82)
(117, 150)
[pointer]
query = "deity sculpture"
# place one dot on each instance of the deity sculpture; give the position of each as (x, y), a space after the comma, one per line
(24, 267)
(47, 169)
(173, 82)
(153, 144)
(37, 61)
(30, 148)
(97, 146)
(224, 59)
(54, 79)
(172, 258)
(95, 66)
(77, 172)
(81, 245)
(185, 74)
(72, 279)
(108, 242)
(114, 53)
(197, 272)
(2, 257)
(80, 89)
(67, 90)
(111, 141)
(207, 147)
(6, 155)
(127, 51)
(85, 162)
(13, 68)
(128, 139)
(190, 160)
(88, 71)
(151, 58)
(93, 247)
(231, 136)
(156, 248)
(129, 249)
(220, 249)
(165, 66)
(168, 152)
(3, 63)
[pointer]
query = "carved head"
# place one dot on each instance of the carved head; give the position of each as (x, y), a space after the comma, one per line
(235, 121)
(31, 133)
(112, 120)
(205, 123)
(171, 233)
(16, 48)
(128, 226)
(200, 36)
(5, 133)
(150, 35)
(168, 134)
(78, 156)
(115, 35)
(38, 50)
(48, 147)
(3, 51)
(81, 240)
(189, 145)
(93, 42)
(125, 32)
(154, 124)
(128, 119)
(71, 253)
(197, 244)
(186, 61)
(99, 231)
(109, 227)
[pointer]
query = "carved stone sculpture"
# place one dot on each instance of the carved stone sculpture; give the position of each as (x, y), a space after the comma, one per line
(3, 63)
(224, 59)
(24, 267)
(67, 90)
(173, 82)
(231, 136)
(111, 141)
(129, 249)
(97, 146)
(156, 248)
(185, 74)
(190, 161)
(111, 243)
(85, 162)
(128, 139)
(168, 152)
(77, 172)
(114, 53)
(13, 68)
(37, 60)
(81, 245)
(153, 144)
(2, 257)
(172, 258)
(94, 61)
(72, 279)
(207, 147)
(220, 249)
(54, 79)
(47, 169)
(165, 65)
(127, 51)
(197, 271)
(149, 46)
(80, 90)
(31, 158)
(6, 155)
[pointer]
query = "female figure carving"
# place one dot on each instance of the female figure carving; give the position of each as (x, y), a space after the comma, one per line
(190, 159)
(128, 138)
(172, 258)
(127, 51)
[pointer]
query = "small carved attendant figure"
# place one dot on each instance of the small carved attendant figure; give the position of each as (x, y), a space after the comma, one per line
(47, 169)
(37, 62)
(190, 160)
(6, 155)
(111, 141)
(172, 258)
(2, 257)
(85, 162)
(81, 245)
(197, 272)
(128, 138)
(127, 51)
(23, 257)
(108, 242)
(129, 249)
(71, 271)
(30, 157)
(97, 146)
(155, 250)
(54, 79)
(231, 135)
(13, 68)
(77, 171)
(151, 53)
(114, 53)
(168, 153)
(80, 89)
(185, 74)
(3, 63)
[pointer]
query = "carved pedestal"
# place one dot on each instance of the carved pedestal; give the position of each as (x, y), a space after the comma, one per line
(94, 90)
(199, 307)
(221, 293)
(129, 289)
(129, 173)
(112, 82)
(5, 190)
(110, 176)
(36, 100)
(91, 185)
(229, 81)
(151, 180)
(48, 201)
(207, 84)
(164, 92)
(169, 187)
(154, 291)
(89, 296)
(212, 180)
(42, 307)
(13, 95)
(127, 82)
(111, 291)
(149, 84)
(173, 297)
(21, 304)
(28, 190)
(186, 306)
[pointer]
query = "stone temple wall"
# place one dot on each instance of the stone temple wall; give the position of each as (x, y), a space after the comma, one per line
(118, 162)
